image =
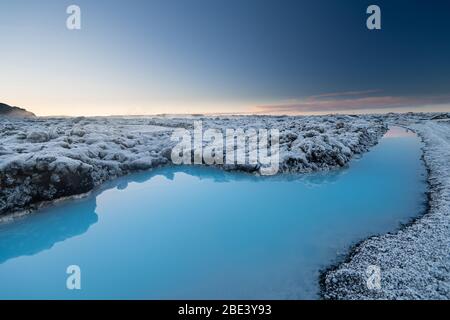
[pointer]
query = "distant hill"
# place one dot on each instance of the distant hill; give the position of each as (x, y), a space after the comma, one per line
(15, 112)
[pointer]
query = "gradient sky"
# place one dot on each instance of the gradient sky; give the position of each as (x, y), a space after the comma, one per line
(224, 56)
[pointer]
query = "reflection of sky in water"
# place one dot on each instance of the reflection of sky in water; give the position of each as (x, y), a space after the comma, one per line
(397, 132)
(179, 233)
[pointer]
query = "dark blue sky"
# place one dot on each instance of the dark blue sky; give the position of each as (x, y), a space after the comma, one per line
(225, 56)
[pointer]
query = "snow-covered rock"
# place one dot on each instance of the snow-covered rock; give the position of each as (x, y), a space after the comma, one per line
(414, 262)
(43, 159)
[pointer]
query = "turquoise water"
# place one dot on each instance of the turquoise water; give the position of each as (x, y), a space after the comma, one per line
(196, 232)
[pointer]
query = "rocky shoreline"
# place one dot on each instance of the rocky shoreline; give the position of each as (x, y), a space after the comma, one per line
(414, 261)
(46, 159)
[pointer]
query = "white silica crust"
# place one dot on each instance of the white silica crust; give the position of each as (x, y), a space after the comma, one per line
(414, 261)
(44, 159)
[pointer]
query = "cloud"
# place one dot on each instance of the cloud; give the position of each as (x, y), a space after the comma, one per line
(343, 94)
(352, 101)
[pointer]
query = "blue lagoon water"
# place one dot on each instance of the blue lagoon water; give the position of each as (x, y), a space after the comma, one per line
(197, 232)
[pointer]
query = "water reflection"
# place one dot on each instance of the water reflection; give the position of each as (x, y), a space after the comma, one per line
(398, 132)
(220, 176)
(40, 231)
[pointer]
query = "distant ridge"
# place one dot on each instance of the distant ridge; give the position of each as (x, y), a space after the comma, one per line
(14, 112)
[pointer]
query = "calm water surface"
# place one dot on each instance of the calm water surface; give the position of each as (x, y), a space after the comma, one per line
(195, 232)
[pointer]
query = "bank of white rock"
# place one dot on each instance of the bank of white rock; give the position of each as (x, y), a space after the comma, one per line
(414, 261)
(44, 159)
